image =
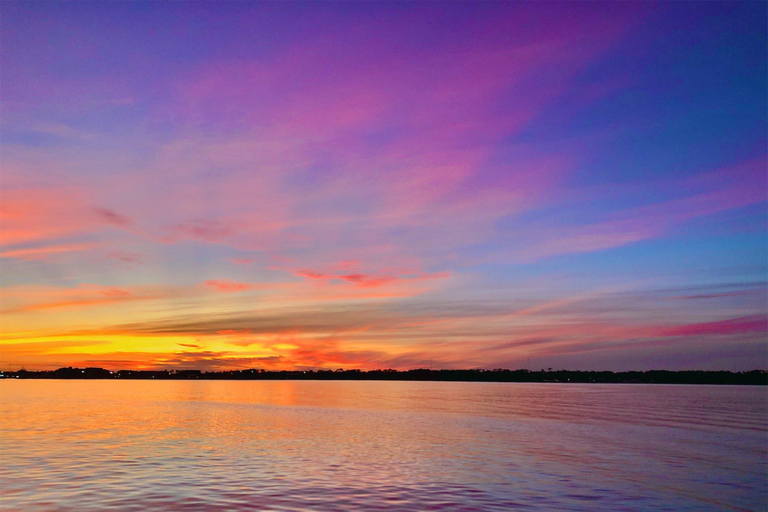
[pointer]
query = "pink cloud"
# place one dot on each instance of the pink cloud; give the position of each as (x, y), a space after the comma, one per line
(725, 189)
(39, 223)
(723, 327)
(30, 215)
(446, 119)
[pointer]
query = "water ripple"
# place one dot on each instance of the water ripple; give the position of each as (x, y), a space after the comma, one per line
(186, 446)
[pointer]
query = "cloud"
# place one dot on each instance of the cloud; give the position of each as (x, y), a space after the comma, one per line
(25, 299)
(112, 217)
(125, 256)
(62, 131)
(228, 286)
(346, 163)
(43, 347)
(747, 324)
(39, 223)
(40, 253)
(232, 331)
(214, 361)
(721, 295)
(369, 280)
(42, 215)
(204, 229)
(731, 187)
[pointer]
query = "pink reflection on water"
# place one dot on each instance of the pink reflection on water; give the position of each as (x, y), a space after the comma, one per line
(295, 445)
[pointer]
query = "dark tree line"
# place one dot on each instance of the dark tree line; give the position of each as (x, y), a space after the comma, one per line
(754, 377)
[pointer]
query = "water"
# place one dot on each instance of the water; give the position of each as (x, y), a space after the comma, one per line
(298, 445)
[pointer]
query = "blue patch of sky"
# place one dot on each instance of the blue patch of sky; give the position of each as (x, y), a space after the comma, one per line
(690, 96)
(679, 260)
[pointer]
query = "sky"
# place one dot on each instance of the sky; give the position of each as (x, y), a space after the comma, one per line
(291, 185)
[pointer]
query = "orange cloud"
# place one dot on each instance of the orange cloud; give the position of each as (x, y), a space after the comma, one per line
(22, 299)
(39, 253)
(228, 286)
(73, 303)
(231, 331)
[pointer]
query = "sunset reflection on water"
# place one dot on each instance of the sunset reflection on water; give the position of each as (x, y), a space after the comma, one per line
(298, 445)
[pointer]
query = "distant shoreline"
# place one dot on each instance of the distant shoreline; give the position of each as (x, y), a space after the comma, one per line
(753, 377)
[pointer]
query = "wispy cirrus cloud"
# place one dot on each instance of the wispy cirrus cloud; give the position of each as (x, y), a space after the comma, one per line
(83, 296)
(62, 130)
(718, 191)
(748, 324)
(38, 253)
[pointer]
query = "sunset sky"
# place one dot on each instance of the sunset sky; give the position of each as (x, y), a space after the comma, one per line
(279, 185)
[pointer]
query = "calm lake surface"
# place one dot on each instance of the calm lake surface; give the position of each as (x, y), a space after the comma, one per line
(300, 445)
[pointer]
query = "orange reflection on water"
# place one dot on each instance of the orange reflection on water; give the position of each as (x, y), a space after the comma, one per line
(298, 445)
